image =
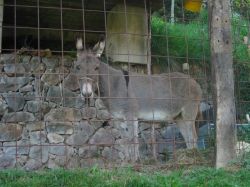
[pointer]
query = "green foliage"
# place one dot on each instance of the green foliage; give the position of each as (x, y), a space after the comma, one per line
(181, 41)
(243, 133)
(242, 7)
(181, 14)
(189, 42)
(124, 177)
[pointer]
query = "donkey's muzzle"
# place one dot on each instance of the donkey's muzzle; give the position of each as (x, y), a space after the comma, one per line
(86, 86)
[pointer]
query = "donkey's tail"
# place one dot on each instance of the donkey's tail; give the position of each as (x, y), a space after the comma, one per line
(199, 119)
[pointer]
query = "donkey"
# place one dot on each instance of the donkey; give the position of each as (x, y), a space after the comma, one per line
(172, 97)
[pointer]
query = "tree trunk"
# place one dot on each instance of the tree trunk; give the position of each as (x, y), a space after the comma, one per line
(172, 11)
(223, 75)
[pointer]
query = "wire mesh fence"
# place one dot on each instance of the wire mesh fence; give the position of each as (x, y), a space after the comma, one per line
(66, 108)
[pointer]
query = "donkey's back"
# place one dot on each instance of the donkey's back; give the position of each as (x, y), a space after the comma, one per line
(165, 96)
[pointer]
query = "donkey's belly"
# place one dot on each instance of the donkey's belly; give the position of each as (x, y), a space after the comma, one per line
(155, 115)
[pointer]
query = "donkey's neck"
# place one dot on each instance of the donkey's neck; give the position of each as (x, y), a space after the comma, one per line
(106, 69)
(110, 79)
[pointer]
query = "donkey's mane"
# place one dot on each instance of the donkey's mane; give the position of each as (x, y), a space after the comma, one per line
(87, 53)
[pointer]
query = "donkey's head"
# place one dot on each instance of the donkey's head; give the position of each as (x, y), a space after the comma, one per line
(87, 67)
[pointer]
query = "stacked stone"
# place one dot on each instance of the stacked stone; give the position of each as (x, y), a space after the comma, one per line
(45, 123)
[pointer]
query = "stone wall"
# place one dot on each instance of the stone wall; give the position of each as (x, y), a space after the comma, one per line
(45, 123)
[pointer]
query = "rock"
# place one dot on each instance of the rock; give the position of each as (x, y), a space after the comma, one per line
(3, 107)
(72, 151)
(67, 61)
(58, 150)
(35, 60)
(126, 131)
(72, 163)
(20, 69)
(60, 128)
(25, 59)
(7, 59)
(54, 76)
(56, 162)
(14, 117)
(126, 148)
(13, 83)
(27, 88)
(40, 152)
(89, 152)
(35, 126)
(96, 123)
(34, 106)
(39, 107)
(68, 98)
(64, 115)
(78, 139)
(37, 137)
(33, 164)
(71, 99)
(21, 161)
(165, 147)
(170, 132)
(51, 63)
(103, 114)
(7, 161)
(144, 126)
(37, 67)
(52, 164)
(10, 132)
(16, 148)
(90, 162)
(103, 137)
(110, 154)
(100, 105)
(71, 82)
(55, 138)
(89, 113)
(30, 96)
(15, 101)
(84, 126)
(116, 134)
(55, 94)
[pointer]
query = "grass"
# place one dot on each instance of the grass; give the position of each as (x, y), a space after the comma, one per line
(124, 178)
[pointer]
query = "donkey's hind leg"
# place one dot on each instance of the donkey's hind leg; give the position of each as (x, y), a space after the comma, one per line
(188, 131)
(186, 124)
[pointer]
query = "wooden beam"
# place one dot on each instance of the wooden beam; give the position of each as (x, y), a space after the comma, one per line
(1, 23)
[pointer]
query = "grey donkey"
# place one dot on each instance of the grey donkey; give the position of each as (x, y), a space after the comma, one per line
(171, 97)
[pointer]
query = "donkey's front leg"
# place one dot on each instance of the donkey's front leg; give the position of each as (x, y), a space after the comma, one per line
(133, 123)
(136, 140)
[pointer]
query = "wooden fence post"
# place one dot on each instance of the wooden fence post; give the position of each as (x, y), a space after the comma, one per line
(223, 75)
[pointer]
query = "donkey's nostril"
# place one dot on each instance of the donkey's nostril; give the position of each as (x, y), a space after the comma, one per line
(88, 94)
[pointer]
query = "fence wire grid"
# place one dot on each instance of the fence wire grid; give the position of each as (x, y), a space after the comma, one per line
(46, 122)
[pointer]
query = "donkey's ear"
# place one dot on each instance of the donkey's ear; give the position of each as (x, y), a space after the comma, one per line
(79, 46)
(99, 47)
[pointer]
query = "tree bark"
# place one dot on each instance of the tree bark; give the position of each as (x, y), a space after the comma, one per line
(223, 75)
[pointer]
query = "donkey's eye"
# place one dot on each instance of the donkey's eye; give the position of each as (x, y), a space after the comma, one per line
(96, 68)
(78, 67)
